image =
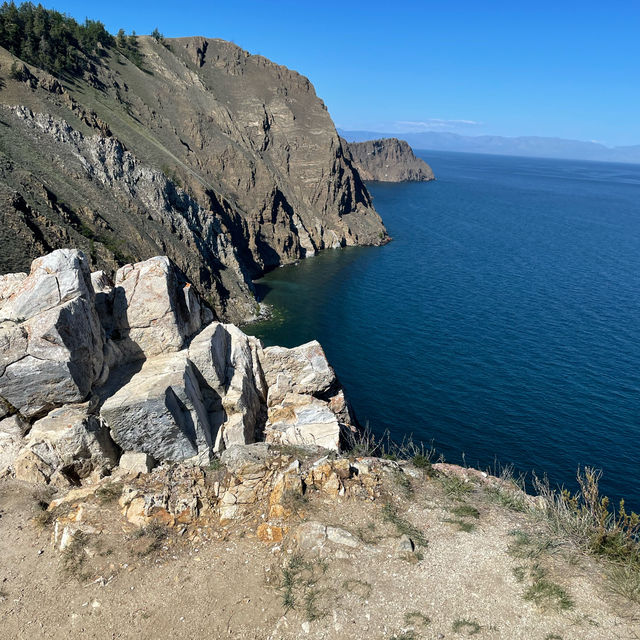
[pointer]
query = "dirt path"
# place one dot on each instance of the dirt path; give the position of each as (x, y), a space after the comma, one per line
(478, 569)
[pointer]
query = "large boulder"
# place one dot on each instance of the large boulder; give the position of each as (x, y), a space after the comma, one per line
(51, 341)
(301, 419)
(303, 369)
(160, 411)
(232, 383)
(155, 309)
(306, 403)
(73, 442)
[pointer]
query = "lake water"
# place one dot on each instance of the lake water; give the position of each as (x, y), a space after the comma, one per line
(503, 321)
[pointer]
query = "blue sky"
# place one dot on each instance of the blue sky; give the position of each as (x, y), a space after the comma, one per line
(563, 68)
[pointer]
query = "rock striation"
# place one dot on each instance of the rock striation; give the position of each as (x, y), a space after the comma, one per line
(223, 161)
(93, 372)
(388, 160)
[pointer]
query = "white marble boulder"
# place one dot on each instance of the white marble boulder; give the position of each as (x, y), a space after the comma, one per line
(51, 340)
(160, 411)
(305, 401)
(232, 382)
(154, 309)
(72, 442)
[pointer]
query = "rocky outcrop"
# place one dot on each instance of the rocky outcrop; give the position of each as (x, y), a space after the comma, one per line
(223, 161)
(51, 340)
(91, 370)
(388, 160)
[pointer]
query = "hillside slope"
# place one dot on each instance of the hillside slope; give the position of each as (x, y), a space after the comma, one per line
(224, 161)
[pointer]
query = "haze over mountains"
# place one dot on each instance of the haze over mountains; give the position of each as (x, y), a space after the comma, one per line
(531, 146)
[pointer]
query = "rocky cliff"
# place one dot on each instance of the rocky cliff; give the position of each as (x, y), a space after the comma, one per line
(388, 160)
(93, 372)
(224, 161)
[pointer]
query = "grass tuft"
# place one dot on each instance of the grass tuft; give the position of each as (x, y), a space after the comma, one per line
(416, 618)
(390, 514)
(454, 488)
(462, 525)
(548, 595)
(465, 511)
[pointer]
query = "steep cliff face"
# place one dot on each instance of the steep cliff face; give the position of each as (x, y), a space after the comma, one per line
(388, 160)
(224, 161)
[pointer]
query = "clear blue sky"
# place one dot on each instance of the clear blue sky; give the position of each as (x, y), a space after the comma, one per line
(563, 68)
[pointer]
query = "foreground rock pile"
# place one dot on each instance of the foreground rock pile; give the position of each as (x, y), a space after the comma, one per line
(92, 371)
(262, 486)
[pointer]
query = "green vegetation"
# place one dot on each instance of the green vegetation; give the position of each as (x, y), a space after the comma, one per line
(299, 579)
(127, 45)
(403, 483)
(74, 556)
(57, 43)
(548, 595)
(463, 525)
(109, 493)
(465, 511)
(50, 40)
(403, 527)
(455, 488)
(359, 587)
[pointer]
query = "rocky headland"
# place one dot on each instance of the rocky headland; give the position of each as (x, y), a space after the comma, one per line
(221, 160)
(388, 160)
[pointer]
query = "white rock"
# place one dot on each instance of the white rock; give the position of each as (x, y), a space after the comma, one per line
(231, 381)
(73, 441)
(154, 309)
(51, 340)
(303, 420)
(136, 462)
(160, 411)
(302, 370)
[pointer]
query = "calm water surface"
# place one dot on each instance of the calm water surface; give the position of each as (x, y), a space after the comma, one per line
(502, 322)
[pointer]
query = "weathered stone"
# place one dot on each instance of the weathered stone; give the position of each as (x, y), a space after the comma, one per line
(154, 309)
(342, 537)
(12, 430)
(160, 411)
(269, 533)
(9, 283)
(303, 419)
(136, 462)
(74, 442)
(231, 382)
(51, 340)
(311, 536)
(30, 467)
(301, 370)
(237, 457)
(405, 544)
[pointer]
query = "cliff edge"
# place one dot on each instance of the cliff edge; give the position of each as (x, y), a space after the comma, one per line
(192, 148)
(388, 160)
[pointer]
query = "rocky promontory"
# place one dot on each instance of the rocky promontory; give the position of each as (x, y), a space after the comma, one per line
(388, 160)
(94, 371)
(192, 148)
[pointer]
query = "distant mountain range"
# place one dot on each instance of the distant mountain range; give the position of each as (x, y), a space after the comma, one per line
(531, 146)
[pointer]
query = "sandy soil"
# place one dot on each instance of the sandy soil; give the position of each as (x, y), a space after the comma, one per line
(226, 583)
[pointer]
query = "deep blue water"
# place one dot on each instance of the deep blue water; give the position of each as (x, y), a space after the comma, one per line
(502, 321)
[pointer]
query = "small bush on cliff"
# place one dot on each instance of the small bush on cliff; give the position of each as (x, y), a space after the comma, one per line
(589, 519)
